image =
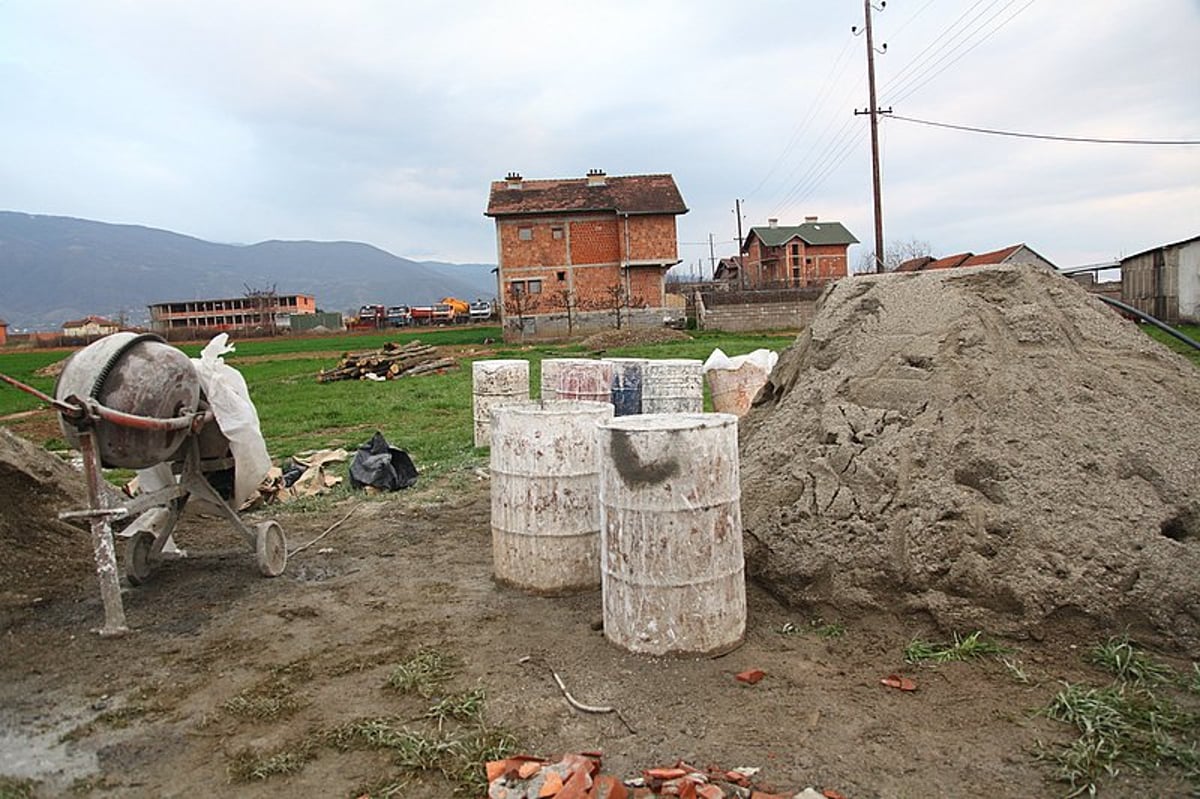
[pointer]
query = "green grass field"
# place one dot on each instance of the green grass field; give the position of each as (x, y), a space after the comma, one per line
(429, 416)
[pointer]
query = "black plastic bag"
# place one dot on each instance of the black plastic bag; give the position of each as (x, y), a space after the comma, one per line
(382, 466)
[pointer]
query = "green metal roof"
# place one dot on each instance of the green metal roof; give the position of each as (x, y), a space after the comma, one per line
(809, 232)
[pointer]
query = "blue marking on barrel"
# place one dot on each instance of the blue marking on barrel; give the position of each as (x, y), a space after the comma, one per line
(627, 388)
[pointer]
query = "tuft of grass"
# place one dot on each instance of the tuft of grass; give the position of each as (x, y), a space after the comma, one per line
(1122, 725)
(1015, 669)
(1192, 681)
(465, 707)
(274, 697)
(17, 787)
(961, 648)
(251, 766)
(1128, 663)
(817, 626)
(422, 673)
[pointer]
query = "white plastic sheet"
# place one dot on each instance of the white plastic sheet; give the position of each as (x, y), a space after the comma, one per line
(230, 401)
(763, 359)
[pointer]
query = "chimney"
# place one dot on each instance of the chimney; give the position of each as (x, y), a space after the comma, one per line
(595, 177)
(513, 179)
(810, 219)
(772, 222)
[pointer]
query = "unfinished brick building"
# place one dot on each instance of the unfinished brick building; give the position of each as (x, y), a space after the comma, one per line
(574, 253)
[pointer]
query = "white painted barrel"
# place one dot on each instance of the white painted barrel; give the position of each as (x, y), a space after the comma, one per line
(673, 385)
(496, 382)
(545, 498)
(552, 368)
(627, 385)
(587, 380)
(671, 533)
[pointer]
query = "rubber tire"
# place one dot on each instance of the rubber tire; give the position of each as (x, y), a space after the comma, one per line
(270, 549)
(137, 557)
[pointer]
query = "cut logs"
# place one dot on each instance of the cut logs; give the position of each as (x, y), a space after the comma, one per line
(392, 361)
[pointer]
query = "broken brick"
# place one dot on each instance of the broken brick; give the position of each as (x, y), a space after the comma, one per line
(751, 676)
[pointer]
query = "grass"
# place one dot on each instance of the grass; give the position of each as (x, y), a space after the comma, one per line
(422, 673)
(17, 787)
(961, 648)
(1133, 723)
(1129, 664)
(1191, 331)
(251, 766)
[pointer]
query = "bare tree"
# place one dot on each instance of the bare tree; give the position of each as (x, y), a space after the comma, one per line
(568, 302)
(894, 254)
(518, 307)
(617, 300)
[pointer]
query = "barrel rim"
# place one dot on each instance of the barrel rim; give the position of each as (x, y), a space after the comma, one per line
(676, 361)
(486, 362)
(557, 407)
(668, 422)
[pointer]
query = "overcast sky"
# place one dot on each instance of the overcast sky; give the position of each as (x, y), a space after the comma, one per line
(384, 122)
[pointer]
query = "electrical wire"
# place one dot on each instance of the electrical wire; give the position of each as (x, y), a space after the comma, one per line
(1048, 137)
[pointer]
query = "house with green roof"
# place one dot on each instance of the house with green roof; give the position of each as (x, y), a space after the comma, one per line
(795, 255)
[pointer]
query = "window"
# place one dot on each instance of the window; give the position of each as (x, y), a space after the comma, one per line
(525, 233)
(517, 286)
(808, 261)
(556, 232)
(535, 287)
(561, 276)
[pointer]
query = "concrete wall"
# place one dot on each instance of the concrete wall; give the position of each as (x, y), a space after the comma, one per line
(550, 326)
(1189, 283)
(790, 315)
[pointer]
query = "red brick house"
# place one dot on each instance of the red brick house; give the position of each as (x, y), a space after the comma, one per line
(577, 246)
(3, 332)
(796, 255)
(1016, 254)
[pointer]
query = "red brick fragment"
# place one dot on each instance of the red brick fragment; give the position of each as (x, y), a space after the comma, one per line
(577, 786)
(528, 769)
(551, 786)
(830, 793)
(609, 787)
(751, 676)
(709, 792)
(664, 773)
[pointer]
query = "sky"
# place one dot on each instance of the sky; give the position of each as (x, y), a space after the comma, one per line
(385, 121)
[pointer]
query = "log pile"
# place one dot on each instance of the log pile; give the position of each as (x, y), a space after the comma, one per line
(393, 361)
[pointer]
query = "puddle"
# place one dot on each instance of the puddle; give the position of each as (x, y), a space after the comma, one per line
(42, 756)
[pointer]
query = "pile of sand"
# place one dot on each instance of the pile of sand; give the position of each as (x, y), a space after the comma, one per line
(39, 555)
(992, 447)
(632, 337)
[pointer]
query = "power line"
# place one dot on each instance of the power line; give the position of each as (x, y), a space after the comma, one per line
(1049, 137)
(920, 57)
(915, 87)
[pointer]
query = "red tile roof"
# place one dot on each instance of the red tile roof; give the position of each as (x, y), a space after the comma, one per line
(102, 322)
(996, 257)
(632, 194)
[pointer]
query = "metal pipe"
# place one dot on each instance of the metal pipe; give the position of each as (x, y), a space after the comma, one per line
(1145, 317)
(102, 540)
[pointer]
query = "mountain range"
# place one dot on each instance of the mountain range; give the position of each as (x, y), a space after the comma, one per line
(54, 269)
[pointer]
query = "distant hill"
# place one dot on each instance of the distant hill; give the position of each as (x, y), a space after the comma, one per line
(53, 269)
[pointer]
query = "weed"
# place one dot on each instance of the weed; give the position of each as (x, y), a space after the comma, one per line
(1128, 663)
(1192, 681)
(272, 698)
(249, 765)
(467, 707)
(16, 787)
(972, 646)
(422, 673)
(1015, 670)
(1123, 725)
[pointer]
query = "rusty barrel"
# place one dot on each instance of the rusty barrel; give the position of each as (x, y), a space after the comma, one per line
(673, 385)
(552, 370)
(545, 505)
(671, 533)
(627, 385)
(496, 382)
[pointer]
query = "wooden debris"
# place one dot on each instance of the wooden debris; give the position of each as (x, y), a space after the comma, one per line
(392, 361)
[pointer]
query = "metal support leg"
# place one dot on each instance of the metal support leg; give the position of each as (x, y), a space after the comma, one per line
(102, 540)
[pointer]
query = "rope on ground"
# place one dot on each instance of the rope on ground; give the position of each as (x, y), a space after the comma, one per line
(575, 703)
(329, 530)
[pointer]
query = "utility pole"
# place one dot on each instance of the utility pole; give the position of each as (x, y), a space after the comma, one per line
(712, 257)
(874, 111)
(737, 205)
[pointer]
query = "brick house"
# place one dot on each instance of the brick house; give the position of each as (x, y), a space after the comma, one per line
(795, 255)
(573, 251)
(3, 332)
(1015, 254)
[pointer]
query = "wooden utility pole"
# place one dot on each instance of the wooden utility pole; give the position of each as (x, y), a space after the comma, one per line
(712, 257)
(874, 111)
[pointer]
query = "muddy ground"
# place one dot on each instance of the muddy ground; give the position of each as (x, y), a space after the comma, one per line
(157, 713)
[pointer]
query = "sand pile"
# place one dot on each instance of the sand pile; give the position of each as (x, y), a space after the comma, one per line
(992, 447)
(39, 555)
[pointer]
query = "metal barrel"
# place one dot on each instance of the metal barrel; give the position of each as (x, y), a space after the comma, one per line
(671, 533)
(673, 385)
(545, 505)
(587, 380)
(496, 382)
(627, 385)
(552, 368)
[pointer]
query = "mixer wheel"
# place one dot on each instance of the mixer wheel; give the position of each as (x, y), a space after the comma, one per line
(137, 557)
(270, 548)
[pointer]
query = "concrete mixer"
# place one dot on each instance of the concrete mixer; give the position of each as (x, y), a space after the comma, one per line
(133, 401)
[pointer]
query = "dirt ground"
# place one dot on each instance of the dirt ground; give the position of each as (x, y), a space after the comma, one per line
(150, 714)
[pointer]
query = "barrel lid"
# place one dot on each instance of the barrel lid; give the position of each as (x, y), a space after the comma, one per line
(498, 363)
(557, 407)
(656, 422)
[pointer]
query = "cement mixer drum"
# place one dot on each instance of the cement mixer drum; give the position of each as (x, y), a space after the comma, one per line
(138, 374)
